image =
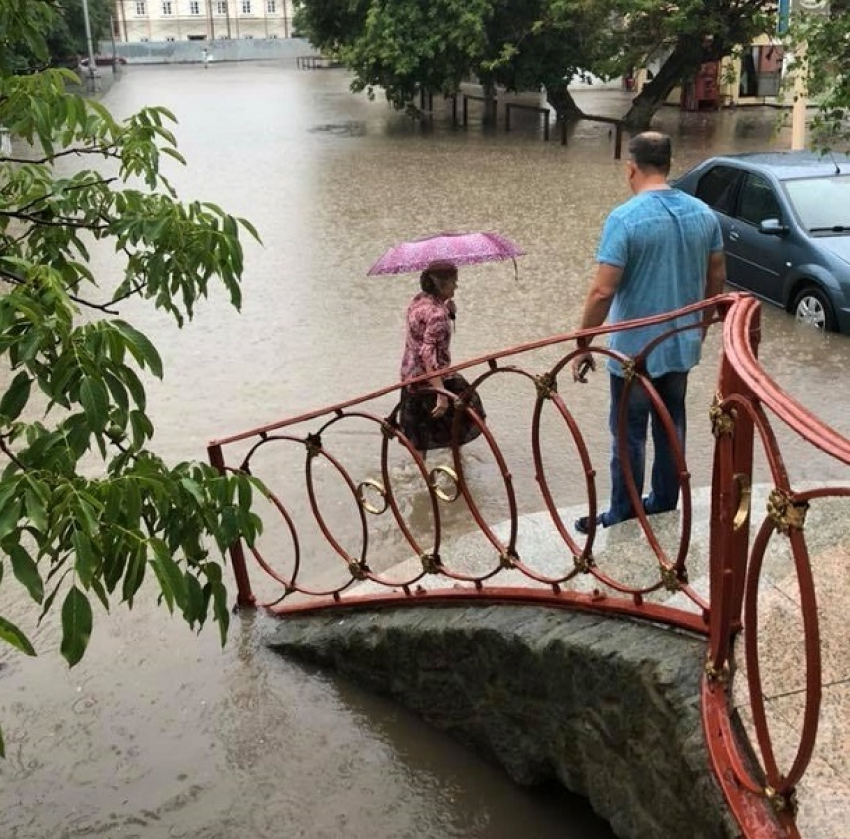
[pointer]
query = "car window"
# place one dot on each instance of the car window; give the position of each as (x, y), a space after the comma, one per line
(757, 200)
(821, 203)
(717, 188)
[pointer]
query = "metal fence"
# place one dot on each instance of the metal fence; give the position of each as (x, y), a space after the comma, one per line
(374, 524)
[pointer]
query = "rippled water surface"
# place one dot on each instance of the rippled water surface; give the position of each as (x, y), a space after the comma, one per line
(160, 733)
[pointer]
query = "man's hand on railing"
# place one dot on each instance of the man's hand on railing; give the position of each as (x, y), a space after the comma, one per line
(582, 364)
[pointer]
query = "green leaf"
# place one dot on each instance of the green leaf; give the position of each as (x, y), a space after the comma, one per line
(36, 511)
(140, 346)
(12, 635)
(10, 515)
(168, 573)
(26, 572)
(85, 562)
(100, 591)
(95, 402)
(194, 609)
(244, 494)
(16, 396)
(134, 575)
(193, 488)
(220, 610)
(76, 626)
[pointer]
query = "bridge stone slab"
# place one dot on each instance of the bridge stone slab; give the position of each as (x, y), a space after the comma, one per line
(609, 708)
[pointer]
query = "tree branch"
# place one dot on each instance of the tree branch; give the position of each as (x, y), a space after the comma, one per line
(8, 452)
(101, 307)
(59, 222)
(101, 151)
(72, 188)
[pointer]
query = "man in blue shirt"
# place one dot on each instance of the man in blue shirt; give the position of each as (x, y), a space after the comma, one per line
(660, 250)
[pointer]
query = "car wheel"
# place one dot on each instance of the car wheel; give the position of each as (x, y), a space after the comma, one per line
(812, 307)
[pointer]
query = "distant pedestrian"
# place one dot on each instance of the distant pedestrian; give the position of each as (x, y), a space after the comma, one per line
(660, 250)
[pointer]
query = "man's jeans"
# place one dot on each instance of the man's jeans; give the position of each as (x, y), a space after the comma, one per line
(664, 496)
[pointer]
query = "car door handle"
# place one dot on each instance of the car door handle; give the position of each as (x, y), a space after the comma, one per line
(734, 235)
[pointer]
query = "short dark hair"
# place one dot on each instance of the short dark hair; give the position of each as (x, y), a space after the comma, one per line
(651, 150)
(426, 283)
(434, 272)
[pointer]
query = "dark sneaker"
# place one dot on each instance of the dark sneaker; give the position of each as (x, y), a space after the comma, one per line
(582, 525)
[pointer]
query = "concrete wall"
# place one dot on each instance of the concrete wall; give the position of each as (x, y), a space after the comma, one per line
(177, 52)
(610, 708)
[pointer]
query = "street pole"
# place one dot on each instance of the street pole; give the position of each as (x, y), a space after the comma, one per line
(91, 76)
(114, 54)
(801, 101)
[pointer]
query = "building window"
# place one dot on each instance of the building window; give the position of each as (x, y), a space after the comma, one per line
(166, 8)
(141, 11)
(194, 7)
(221, 7)
(246, 7)
(271, 6)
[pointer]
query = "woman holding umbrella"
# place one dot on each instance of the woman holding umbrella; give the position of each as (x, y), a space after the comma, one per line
(426, 417)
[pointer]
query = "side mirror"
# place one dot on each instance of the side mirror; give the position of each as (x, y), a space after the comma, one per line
(773, 227)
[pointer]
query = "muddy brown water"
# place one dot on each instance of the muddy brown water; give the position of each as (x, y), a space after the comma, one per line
(161, 733)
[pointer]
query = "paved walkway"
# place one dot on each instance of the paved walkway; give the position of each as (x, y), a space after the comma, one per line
(824, 793)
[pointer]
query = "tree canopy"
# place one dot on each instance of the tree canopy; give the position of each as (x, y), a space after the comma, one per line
(408, 45)
(405, 45)
(62, 33)
(824, 40)
(88, 510)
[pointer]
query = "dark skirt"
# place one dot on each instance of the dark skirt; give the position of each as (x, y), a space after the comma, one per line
(426, 432)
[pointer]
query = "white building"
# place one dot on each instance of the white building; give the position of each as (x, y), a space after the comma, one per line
(201, 20)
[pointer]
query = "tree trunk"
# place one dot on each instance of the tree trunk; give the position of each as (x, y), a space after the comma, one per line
(490, 104)
(680, 65)
(562, 101)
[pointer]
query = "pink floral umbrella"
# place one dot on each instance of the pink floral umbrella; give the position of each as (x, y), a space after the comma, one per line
(452, 248)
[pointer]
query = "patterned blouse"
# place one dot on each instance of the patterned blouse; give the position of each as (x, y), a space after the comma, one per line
(429, 333)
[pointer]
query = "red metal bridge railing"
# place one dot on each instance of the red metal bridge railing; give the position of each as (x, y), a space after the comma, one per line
(386, 530)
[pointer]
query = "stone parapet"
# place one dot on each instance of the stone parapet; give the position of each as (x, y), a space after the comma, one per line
(609, 708)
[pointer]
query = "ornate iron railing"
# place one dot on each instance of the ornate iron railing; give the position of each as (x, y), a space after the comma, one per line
(369, 517)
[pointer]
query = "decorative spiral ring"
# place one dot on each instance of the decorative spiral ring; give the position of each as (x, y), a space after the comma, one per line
(452, 476)
(362, 488)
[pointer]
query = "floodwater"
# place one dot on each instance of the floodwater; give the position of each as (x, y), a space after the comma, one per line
(159, 733)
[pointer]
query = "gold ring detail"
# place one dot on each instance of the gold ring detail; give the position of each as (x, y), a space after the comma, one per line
(452, 476)
(366, 505)
(745, 496)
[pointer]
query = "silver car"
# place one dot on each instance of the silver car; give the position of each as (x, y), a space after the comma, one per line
(786, 228)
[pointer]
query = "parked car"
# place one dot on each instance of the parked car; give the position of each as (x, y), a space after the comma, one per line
(786, 228)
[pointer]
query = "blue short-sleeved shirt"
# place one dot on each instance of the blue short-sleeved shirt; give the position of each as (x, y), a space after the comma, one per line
(662, 240)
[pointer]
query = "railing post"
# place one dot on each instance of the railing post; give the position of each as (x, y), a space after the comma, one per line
(508, 117)
(546, 126)
(730, 512)
(465, 109)
(742, 465)
(244, 597)
(618, 142)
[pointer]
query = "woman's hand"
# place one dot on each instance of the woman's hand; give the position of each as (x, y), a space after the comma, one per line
(442, 405)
